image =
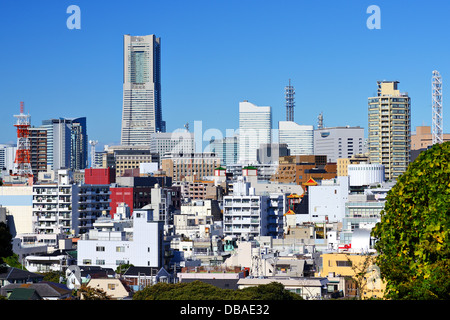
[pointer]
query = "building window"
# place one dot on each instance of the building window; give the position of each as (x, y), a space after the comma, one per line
(102, 249)
(120, 249)
(340, 263)
(111, 286)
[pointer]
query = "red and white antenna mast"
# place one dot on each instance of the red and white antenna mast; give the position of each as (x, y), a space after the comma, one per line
(22, 163)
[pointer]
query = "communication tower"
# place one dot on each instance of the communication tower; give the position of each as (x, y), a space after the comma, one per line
(437, 129)
(22, 162)
(289, 91)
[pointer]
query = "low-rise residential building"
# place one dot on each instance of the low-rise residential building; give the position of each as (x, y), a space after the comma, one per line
(247, 215)
(138, 241)
(353, 265)
(307, 288)
(113, 287)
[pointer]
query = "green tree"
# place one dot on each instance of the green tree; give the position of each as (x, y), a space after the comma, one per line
(413, 235)
(5, 244)
(87, 293)
(198, 290)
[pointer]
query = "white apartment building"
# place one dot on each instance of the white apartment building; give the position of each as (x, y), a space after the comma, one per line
(247, 215)
(68, 208)
(255, 128)
(112, 242)
(299, 138)
(326, 201)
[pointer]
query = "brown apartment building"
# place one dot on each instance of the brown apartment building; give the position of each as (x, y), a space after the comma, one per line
(299, 169)
(38, 150)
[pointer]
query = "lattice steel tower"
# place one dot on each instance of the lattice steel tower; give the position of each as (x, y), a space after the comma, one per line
(22, 162)
(437, 129)
(289, 102)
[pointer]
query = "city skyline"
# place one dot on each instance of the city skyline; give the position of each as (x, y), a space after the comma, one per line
(216, 55)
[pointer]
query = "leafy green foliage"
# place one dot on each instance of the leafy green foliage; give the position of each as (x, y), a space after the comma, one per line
(198, 290)
(413, 235)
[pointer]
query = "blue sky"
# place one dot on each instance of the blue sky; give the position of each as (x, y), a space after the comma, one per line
(216, 53)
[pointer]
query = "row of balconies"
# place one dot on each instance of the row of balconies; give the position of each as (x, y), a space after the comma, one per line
(246, 221)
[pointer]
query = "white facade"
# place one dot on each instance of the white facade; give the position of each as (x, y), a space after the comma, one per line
(339, 142)
(7, 157)
(255, 128)
(299, 138)
(327, 201)
(137, 242)
(364, 174)
(179, 141)
(67, 208)
(247, 215)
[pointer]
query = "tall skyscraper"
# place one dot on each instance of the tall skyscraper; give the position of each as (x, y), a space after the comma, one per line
(390, 129)
(141, 114)
(67, 143)
(255, 128)
(299, 138)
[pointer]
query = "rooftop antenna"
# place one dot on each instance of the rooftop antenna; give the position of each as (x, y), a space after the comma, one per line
(320, 121)
(436, 93)
(289, 92)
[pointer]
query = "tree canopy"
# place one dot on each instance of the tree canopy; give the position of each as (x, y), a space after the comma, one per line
(412, 238)
(198, 290)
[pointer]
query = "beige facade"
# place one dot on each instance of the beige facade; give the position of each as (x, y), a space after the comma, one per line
(342, 163)
(111, 286)
(423, 138)
(345, 264)
(193, 164)
(390, 129)
(18, 203)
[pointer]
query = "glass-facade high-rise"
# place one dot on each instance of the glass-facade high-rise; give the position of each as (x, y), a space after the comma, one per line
(390, 129)
(141, 114)
(67, 143)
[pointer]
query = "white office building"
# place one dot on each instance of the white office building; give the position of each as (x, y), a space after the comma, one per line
(113, 242)
(255, 128)
(364, 174)
(339, 142)
(179, 141)
(7, 157)
(141, 113)
(227, 149)
(299, 138)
